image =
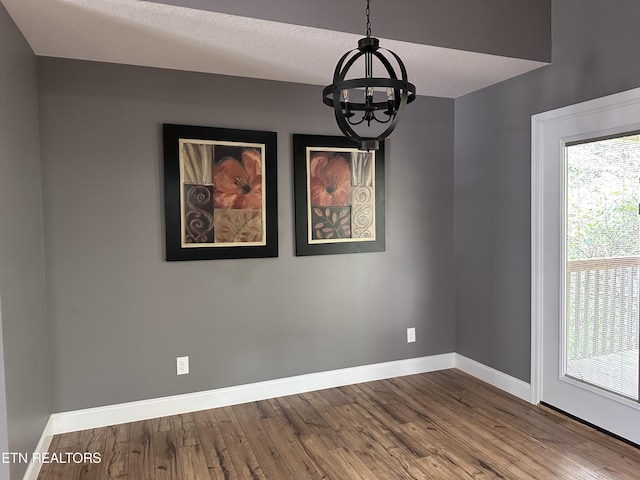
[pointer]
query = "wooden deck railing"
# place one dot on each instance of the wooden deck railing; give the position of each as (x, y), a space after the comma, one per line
(602, 306)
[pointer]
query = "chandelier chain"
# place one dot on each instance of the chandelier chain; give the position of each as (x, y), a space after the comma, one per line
(368, 11)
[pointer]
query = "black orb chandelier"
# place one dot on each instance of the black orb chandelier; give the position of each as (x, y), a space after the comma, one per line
(373, 103)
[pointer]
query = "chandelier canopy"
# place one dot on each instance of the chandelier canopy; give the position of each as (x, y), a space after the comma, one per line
(371, 103)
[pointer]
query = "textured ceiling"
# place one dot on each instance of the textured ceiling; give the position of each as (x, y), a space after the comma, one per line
(158, 35)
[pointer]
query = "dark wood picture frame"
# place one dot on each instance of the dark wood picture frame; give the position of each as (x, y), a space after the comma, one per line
(339, 203)
(221, 196)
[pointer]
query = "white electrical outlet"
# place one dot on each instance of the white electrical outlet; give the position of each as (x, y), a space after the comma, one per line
(411, 335)
(182, 365)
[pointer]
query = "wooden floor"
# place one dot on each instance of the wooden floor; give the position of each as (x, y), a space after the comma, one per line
(439, 425)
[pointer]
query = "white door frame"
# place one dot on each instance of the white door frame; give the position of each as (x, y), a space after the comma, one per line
(549, 130)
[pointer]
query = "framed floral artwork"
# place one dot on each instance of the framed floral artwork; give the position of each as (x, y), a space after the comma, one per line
(220, 193)
(339, 196)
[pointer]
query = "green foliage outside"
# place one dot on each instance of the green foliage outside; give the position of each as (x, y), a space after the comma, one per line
(602, 199)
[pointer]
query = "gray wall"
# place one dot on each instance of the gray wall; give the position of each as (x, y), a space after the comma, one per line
(22, 292)
(592, 42)
(519, 29)
(4, 432)
(120, 314)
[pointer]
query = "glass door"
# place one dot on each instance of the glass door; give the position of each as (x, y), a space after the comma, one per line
(584, 261)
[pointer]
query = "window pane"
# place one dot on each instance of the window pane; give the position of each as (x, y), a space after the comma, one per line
(603, 253)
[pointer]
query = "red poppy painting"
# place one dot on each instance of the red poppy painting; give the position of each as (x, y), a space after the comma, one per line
(227, 192)
(329, 179)
(339, 196)
(238, 181)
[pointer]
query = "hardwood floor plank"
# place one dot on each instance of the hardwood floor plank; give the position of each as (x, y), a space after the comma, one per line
(359, 446)
(214, 448)
(509, 411)
(322, 457)
(265, 450)
(141, 451)
(116, 458)
(443, 468)
(264, 409)
(422, 441)
(519, 470)
(623, 465)
(162, 424)
(435, 426)
(165, 450)
(242, 456)
(92, 441)
(62, 469)
(396, 411)
(185, 428)
(350, 465)
(443, 406)
(507, 442)
(189, 456)
(298, 462)
(333, 396)
(549, 460)
(592, 435)
(399, 461)
(307, 421)
(417, 400)
(192, 464)
(488, 420)
(482, 451)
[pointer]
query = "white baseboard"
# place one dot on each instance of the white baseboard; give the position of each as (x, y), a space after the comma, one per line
(191, 402)
(498, 379)
(42, 447)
